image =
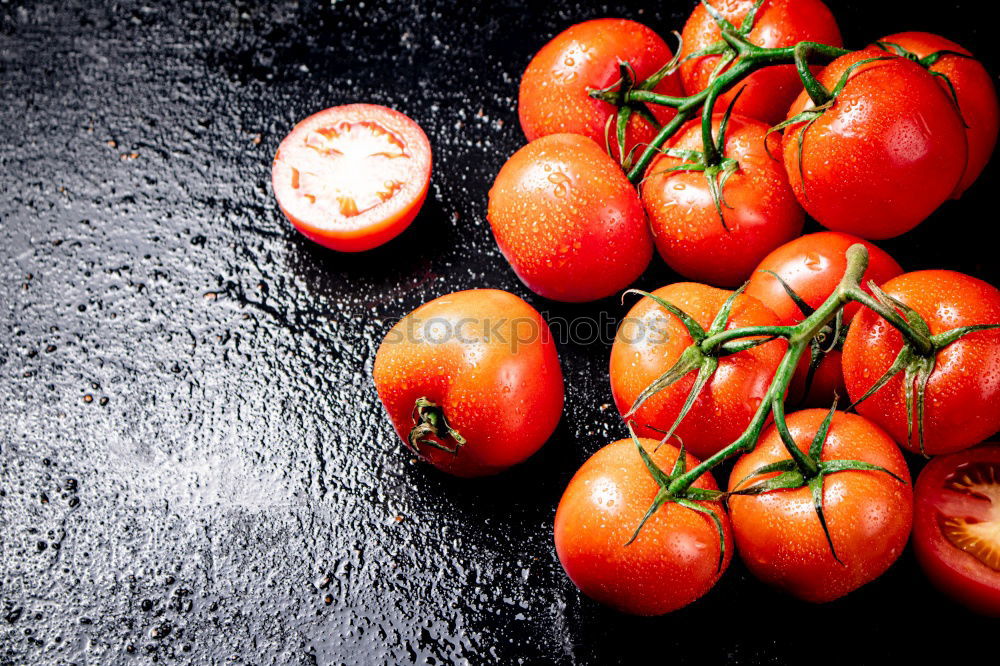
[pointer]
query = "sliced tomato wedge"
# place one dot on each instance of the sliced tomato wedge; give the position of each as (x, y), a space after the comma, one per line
(956, 529)
(352, 177)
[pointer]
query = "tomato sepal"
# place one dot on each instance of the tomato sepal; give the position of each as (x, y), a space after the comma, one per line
(431, 427)
(688, 499)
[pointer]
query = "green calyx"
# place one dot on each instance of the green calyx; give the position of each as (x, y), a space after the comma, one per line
(699, 357)
(431, 428)
(734, 42)
(915, 363)
(822, 99)
(805, 468)
(689, 498)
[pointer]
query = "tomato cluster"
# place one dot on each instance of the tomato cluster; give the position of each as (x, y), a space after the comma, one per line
(714, 158)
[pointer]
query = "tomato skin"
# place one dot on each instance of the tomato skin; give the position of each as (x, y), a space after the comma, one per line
(686, 227)
(977, 96)
(813, 265)
(675, 558)
(768, 92)
(963, 391)
(869, 514)
(568, 220)
(553, 94)
(955, 572)
(505, 399)
(888, 152)
(313, 212)
(649, 342)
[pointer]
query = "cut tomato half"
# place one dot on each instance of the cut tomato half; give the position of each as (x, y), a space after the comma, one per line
(352, 177)
(956, 529)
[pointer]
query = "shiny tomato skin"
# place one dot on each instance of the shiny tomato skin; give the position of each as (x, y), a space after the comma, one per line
(888, 152)
(977, 96)
(963, 391)
(761, 211)
(768, 92)
(568, 220)
(553, 97)
(955, 572)
(813, 265)
(869, 514)
(649, 342)
(488, 360)
(352, 177)
(675, 558)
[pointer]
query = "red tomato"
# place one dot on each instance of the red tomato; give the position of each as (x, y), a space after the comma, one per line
(760, 210)
(956, 528)
(568, 220)
(888, 152)
(768, 92)
(553, 95)
(963, 391)
(977, 97)
(649, 342)
(813, 266)
(675, 557)
(868, 513)
(487, 360)
(352, 177)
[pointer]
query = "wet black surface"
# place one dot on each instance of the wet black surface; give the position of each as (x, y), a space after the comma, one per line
(193, 463)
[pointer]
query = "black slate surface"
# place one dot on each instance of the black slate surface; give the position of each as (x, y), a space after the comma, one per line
(194, 466)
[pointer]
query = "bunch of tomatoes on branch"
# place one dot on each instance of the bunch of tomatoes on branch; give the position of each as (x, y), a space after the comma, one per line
(810, 359)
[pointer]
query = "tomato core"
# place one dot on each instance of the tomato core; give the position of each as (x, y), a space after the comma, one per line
(344, 156)
(970, 521)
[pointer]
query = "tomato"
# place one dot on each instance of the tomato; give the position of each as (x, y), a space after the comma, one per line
(759, 209)
(553, 97)
(650, 340)
(868, 512)
(568, 220)
(963, 390)
(480, 364)
(884, 156)
(977, 97)
(767, 93)
(352, 177)
(813, 266)
(956, 528)
(674, 559)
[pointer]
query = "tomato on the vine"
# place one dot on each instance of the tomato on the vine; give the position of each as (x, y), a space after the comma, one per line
(867, 512)
(471, 381)
(947, 400)
(650, 341)
(352, 177)
(812, 267)
(675, 557)
(887, 151)
(553, 95)
(768, 92)
(973, 89)
(720, 242)
(568, 220)
(956, 526)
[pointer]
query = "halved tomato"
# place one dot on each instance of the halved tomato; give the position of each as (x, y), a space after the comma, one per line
(956, 529)
(352, 177)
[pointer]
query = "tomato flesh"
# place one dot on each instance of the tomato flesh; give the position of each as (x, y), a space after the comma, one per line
(973, 524)
(956, 529)
(352, 177)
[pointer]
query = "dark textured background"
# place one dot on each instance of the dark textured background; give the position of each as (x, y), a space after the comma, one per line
(194, 466)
